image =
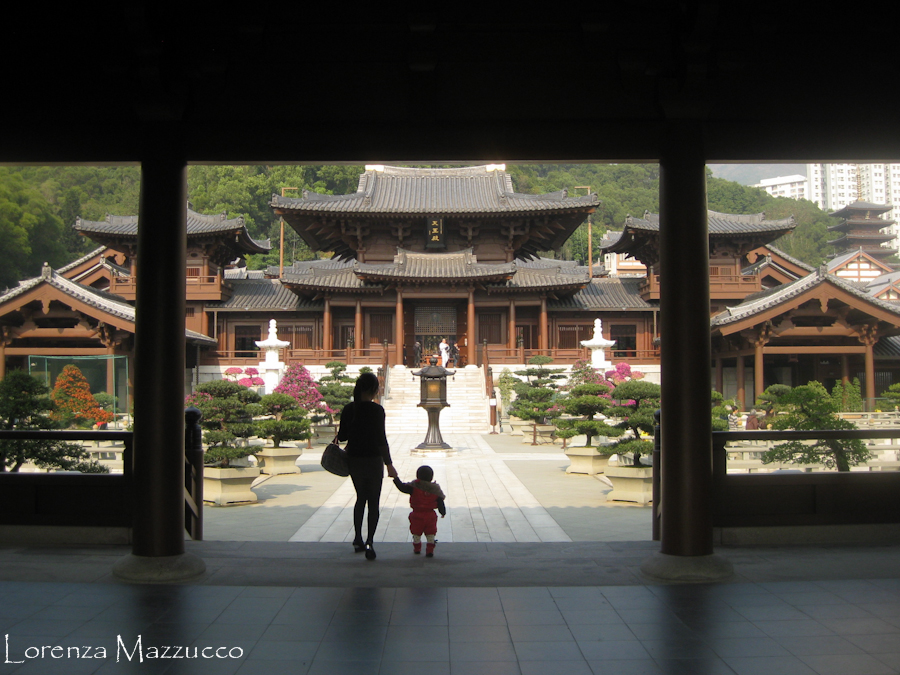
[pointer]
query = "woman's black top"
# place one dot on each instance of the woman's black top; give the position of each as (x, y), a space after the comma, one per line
(362, 426)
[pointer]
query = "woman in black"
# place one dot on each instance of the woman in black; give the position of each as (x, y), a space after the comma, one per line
(362, 426)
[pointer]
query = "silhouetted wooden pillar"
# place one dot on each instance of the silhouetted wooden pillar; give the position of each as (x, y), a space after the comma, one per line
(159, 350)
(741, 383)
(685, 356)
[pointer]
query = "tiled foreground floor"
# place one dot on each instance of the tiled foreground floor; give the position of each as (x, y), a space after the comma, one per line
(781, 628)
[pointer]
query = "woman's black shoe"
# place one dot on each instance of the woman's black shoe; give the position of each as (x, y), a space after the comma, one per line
(370, 552)
(358, 547)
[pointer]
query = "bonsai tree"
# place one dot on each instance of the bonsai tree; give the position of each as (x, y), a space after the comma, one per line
(586, 401)
(228, 409)
(288, 422)
(637, 400)
(335, 388)
(75, 405)
(299, 384)
(26, 406)
(534, 398)
(810, 408)
(771, 401)
(584, 373)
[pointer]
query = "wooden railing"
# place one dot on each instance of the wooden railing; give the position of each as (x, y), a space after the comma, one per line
(498, 354)
(817, 498)
(730, 284)
(370, 355)
(66, 499)
(208, 286)
(95, 499)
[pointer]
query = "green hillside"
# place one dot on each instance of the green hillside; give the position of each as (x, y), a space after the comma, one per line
(38, 205)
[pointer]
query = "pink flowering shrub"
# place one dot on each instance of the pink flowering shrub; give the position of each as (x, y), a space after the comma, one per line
(298, 383)
(198, 397)
(623, 373)
(251, 379)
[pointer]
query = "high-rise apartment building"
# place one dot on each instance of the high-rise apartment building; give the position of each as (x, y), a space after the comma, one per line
(834, 186)
(794, 187)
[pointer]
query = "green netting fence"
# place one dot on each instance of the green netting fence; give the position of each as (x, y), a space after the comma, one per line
(98, 370)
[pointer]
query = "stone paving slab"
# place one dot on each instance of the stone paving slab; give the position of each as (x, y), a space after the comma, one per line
(496, 492)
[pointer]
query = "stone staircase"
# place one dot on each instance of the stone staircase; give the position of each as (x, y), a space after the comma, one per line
(468, 412)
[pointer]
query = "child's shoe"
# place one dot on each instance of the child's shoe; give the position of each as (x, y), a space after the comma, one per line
(417, 548)
(429, 550)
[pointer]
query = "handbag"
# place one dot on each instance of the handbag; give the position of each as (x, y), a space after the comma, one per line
(334, 459)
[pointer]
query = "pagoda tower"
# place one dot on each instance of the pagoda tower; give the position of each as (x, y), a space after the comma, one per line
(861, 229)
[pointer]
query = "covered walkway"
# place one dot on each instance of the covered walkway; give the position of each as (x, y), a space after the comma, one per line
(476, 608)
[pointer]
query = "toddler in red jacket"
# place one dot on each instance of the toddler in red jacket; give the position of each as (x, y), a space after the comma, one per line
(424, 497)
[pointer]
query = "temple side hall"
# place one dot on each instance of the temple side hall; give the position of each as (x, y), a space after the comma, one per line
(681, 84)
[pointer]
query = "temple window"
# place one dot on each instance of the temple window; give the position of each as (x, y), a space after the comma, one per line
(381, 328)
(570, 336)
(490, 328)
(625, 335)
(245, 339)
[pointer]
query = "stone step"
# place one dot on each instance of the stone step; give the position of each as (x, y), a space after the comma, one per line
(468, 411)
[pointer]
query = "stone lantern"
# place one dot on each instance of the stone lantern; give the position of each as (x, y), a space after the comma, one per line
(433, 399)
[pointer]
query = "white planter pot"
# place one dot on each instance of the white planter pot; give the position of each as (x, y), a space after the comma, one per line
(275, 461)
(586, 460)
(229, 485)
(630, 484)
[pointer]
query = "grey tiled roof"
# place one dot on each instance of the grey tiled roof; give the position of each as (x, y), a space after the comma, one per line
(768, 261)
(399, 190)
(244, 273)
(459, 265)
(545, 263)
(719, 223)
(879, 284)
(82, 259)
(888, 347)
(262, 294)
(837, 261)
(791, 259)
(106, 302)
(851, 209)
(198, 224)
(303, 266)
(610, 293)
(759, 302)
(316, 278)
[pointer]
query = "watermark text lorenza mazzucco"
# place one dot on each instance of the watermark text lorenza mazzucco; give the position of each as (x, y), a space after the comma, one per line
(136, 652)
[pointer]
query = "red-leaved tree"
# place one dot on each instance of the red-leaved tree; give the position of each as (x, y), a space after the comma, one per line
(75, 405)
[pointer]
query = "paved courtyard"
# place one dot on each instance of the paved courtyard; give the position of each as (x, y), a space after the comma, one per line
(498, 489)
